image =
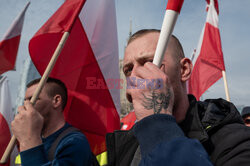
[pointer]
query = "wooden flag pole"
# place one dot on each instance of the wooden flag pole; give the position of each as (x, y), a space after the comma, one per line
(225, 85)
(38, 90)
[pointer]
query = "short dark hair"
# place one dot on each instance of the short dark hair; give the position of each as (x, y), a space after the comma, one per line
(141, 33)
(179, 53)
(55, 87)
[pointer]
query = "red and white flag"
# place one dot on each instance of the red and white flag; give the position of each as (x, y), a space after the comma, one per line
(88, 64)
(10, 43)
(6, 114)
(208, 57)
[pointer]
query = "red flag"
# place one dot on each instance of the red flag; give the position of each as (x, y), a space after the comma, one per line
(88, 64)
(10, 43)
(6, 114)
(128, 121)
(208, 58)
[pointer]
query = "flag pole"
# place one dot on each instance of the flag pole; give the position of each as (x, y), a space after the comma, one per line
(171, 15)
(41, 84)
(226, 85)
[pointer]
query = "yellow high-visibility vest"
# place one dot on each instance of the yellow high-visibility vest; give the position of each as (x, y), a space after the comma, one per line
(18, 160)
(102, 158)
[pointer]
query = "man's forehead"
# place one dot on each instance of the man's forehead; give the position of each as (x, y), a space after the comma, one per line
(147, 54)
(140, 48)
(144, 54)
(31, 87)
(30, 90)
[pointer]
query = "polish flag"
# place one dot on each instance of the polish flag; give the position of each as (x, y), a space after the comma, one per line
(10, 43)
(6, 114)
(88, 65)
(208, 57)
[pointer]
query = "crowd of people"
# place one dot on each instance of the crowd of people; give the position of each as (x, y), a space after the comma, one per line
(172, 127)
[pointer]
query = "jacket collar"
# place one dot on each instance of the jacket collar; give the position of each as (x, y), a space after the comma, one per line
(192, 126)
(204, 118)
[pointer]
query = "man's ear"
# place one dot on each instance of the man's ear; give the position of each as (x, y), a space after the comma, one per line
(57, 101)
(186, 69)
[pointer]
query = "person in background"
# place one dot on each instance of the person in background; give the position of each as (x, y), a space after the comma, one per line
(245, 114)
(43, 135)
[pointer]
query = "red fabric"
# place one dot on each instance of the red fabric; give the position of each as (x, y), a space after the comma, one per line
(4, 136)
(91, 110)
(8, 53)
(209, 65)
(63, 19)
(128, 121)
(175, 5)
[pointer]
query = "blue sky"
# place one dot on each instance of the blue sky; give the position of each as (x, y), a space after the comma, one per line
(234, 24)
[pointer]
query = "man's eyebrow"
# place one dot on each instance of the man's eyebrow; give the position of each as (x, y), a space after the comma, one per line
(145, 56)
(127, 64)
(144, 59)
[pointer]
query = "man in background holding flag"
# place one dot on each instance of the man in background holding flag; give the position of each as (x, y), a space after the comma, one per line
(85, 33)
(44, 136)
(89, 57)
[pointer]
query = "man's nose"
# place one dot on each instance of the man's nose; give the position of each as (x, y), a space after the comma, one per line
(133, 70)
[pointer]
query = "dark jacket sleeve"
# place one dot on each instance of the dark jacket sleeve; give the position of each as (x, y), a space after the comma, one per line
(72, 150)
(163, 142)
(232, 145)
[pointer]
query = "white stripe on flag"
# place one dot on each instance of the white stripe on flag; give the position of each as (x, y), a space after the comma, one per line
(17, 25)
(5, 100)
(98, 19)
(212, 15)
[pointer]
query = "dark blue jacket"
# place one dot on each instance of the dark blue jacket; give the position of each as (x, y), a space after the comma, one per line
(72, 150)
(216, 123)
(162, 142)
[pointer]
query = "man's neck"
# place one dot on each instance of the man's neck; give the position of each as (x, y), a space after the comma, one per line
(180, 108)
(53, 124)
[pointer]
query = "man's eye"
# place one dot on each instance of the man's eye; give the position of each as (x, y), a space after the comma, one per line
(27, 99)
(148, 60)
(127, 72)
